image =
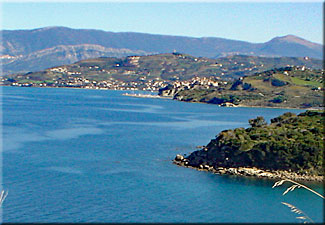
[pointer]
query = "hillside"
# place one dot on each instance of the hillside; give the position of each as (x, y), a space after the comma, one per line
(290, 143)
(294, 87)
(37, 49)
(167, 67)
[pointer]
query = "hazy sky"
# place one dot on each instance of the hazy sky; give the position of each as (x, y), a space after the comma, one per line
(247, 21)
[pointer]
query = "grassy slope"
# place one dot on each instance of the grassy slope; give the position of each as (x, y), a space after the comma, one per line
(290, 87)
(169, 67)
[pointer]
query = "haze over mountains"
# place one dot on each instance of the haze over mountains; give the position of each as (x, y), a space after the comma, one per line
(38, 49)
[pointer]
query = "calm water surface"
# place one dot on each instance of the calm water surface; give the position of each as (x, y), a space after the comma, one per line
(72, 155)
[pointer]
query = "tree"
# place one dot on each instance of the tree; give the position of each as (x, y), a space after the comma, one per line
(258, 122)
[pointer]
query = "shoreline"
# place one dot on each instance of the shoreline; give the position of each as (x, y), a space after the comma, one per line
(240, 171)
(250, 106)
(165, 97)
(250, 172)
(145, 96)
(268, 107)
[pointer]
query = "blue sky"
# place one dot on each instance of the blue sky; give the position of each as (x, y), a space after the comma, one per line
(247, 21)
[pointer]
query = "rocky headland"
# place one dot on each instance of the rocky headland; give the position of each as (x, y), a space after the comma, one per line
(291, 147)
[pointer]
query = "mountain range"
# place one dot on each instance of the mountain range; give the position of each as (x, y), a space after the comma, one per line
(38, 49)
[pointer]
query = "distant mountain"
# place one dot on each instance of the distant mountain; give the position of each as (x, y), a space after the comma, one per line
(62, 54)
(291, 45)
(32, 50)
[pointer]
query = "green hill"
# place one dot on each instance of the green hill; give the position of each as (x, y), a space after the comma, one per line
(294, 87)
(169, 67)
(290, 143)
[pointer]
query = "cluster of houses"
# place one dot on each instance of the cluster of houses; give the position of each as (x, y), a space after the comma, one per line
(80, 82)
(113, 84)
(74, 79)
(204, 82)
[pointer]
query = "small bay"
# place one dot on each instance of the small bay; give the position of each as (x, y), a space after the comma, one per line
(74, 155)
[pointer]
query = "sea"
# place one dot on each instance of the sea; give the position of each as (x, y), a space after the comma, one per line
(83, 156)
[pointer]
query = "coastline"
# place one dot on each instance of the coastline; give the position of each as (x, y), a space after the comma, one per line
(251, 106)
(145, 96)
(165, 97)
(268, 107)
(251, 172)
(291, 147)
(241, 171)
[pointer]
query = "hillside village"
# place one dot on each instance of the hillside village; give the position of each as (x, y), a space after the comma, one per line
(151, 73)
(80, 82)
(112, 84)
(231, 81)
(295, 87)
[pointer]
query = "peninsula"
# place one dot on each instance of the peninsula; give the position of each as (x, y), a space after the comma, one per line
(291, 146)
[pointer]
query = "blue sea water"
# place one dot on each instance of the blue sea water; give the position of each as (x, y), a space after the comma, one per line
(73, 155)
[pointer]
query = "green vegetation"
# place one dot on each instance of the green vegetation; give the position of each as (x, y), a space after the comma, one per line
(293, 87)
(169, 67)
(306, 82)
(290, 142)
(259, 83)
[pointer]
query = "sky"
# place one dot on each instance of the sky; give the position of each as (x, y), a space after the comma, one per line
(250, 21)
